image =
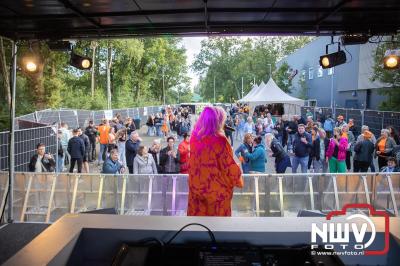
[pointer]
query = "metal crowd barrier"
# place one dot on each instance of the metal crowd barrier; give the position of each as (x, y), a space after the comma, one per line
(45, 197)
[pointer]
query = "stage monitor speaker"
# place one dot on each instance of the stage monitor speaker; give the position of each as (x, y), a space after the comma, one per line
(310, 213)
(103, 211)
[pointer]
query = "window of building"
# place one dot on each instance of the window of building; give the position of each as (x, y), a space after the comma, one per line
(331, 71)
(303, 74)
(310, 73)
(320, 72)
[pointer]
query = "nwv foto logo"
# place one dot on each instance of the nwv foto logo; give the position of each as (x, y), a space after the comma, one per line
(336, 235)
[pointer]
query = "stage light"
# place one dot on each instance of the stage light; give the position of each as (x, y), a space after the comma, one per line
(391, 59)
(80, 62)
(29, 63)
(331, 60)
(86, 63)
(325, 61)
(31, 66)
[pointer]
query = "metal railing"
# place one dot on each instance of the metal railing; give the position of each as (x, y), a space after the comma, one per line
(45, 197)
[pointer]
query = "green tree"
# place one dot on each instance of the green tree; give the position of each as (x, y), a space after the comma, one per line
(229, 59)
(390, 77)
(281, 77)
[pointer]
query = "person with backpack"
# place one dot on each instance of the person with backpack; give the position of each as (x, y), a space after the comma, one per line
(329, 124)
(282, 159)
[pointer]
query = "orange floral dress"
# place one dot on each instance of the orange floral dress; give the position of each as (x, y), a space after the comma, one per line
(213, 173)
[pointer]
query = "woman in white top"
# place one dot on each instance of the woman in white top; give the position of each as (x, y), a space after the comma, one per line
(249, 126)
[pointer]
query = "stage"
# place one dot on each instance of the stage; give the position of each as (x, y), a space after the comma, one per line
(94, 238)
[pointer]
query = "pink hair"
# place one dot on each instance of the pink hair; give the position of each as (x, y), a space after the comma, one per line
(210, 122)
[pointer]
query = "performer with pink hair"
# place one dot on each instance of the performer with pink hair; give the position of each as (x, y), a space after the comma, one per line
(213, 173)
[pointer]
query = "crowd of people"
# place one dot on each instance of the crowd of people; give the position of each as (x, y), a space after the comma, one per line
(120, 146)
(318, 144)
(313, 144)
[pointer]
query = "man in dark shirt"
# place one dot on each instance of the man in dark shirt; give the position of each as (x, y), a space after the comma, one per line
(131, 148)
(76, 148)
(302, 145)
(91, 132)
(291, 130)
(41, 161)
(169, 158)
(86, 141)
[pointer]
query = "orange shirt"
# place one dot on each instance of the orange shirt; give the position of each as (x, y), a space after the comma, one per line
(382, 144)
(213, 173)
(345, 135)
(103, 131)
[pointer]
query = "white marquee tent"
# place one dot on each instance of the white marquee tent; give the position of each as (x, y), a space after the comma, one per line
(270, 93)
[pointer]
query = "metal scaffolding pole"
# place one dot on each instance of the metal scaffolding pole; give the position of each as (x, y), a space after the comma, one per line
(12, 137)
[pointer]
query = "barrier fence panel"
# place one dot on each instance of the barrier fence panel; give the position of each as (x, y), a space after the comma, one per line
(245, 201)
(85, 192)
(49, 117)
(343, 112)
(84, 117)
(122, 112)
(4, 140)
(25, 146)
(70, 117)
(296, 193)
(358, 120)
(97, 117)
(351, 189)
(374, 120)
(45, 197)
(391, 119)
(3, 191)
(181, 195)
(36, 199)
(387, 193)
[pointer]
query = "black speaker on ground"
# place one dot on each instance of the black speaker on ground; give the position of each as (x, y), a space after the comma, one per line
(310, 213)
(103, 211)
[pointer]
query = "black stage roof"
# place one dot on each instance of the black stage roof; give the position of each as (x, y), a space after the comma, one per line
(55, 19)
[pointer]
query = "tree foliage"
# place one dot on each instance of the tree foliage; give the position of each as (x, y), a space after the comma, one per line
(136, 75)
(390, 77)
(229, 59)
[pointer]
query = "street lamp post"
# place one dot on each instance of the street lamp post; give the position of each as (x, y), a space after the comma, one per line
(242, 87)
(270, 70)
(163, 84)
(214, 89)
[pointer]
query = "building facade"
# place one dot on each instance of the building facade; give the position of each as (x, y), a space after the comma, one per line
(348, 85)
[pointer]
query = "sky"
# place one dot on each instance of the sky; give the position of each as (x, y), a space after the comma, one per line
(192, 45)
